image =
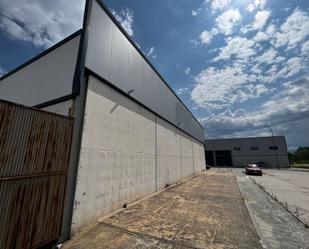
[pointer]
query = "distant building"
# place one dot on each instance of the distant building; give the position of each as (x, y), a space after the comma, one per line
(241, 151)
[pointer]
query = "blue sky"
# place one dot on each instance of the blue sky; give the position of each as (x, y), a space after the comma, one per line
(237, 64)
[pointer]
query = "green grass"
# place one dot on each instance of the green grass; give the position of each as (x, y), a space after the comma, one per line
(300, 165)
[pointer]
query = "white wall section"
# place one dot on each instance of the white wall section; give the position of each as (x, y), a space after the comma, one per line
(45, 79)
(168, 153)
(127, 153)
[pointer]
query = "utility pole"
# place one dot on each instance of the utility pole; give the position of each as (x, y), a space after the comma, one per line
(274, 146)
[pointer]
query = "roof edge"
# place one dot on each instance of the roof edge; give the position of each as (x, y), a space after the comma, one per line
(109, 13)
(47, 51)
(243, 138)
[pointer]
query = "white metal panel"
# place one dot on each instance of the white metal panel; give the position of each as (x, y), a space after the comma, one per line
(45, 79)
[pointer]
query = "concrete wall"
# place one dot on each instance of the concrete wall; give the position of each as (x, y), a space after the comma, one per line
(127, 153)
(168, 153)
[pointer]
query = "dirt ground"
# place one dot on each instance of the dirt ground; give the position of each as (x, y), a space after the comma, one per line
(207, 211)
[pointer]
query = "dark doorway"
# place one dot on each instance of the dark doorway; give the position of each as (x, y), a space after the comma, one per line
(223, 158)
(210, 158)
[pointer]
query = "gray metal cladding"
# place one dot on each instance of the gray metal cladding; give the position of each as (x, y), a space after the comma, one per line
(111, 55)
(47, 78)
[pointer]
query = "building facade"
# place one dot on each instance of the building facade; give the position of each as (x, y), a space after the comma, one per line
(132, 135)
(241, 151)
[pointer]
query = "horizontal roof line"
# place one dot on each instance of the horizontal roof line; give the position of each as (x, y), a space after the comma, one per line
(242, 138)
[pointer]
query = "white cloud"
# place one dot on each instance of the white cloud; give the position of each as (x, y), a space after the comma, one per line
(257, 4)
(218, 88)
(227, 20)
(256, 69)
(41, 23)
(224, 24)
(151, 53)
(126, 19)
(259, 22)
(218, 4)
(239, 47)
(268, 34)
(188, 70)
(267, 57)
(207, 36)
(261, 18)
(305, 49)
(182, 90)
(281, 109)
(293, 31)
(292, 66)
(251, 7)
(261, 36)
(194, 12)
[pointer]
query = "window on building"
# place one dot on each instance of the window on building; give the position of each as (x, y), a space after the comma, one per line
(273, 147)
(254, 148)
(237, 148)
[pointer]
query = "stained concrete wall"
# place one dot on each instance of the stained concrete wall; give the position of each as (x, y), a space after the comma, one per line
(186, 155)
(127, 152)
(168, 153)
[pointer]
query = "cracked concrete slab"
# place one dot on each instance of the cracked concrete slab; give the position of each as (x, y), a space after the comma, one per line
(206, 211)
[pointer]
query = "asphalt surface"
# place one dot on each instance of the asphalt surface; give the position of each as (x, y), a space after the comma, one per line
(277, 228)
(290, 187)
(207, 211)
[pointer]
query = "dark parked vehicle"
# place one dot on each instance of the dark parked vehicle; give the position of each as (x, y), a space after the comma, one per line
(253, 169)
(261, 164)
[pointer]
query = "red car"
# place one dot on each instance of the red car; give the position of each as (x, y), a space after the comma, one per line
(253, 169)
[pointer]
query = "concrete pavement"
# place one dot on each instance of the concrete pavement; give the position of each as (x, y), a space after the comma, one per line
(206, 211)
(277, 228)
(290, 188)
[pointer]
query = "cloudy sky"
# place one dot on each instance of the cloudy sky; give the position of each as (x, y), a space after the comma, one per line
(237, 64)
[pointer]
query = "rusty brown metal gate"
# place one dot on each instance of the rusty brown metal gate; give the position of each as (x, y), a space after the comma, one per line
(34, 155)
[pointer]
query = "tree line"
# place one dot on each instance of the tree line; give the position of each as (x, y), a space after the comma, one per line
(301, 155)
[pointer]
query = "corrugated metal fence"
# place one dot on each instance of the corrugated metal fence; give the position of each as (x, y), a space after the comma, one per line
(34, 155)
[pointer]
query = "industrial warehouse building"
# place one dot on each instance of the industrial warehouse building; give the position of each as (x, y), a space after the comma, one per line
(242, 151)
(132, 135)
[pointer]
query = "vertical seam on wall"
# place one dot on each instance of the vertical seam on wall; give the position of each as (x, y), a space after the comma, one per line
(111, 55)
(156, 152)
(79, 112)
(193, 157)
(180, 154)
